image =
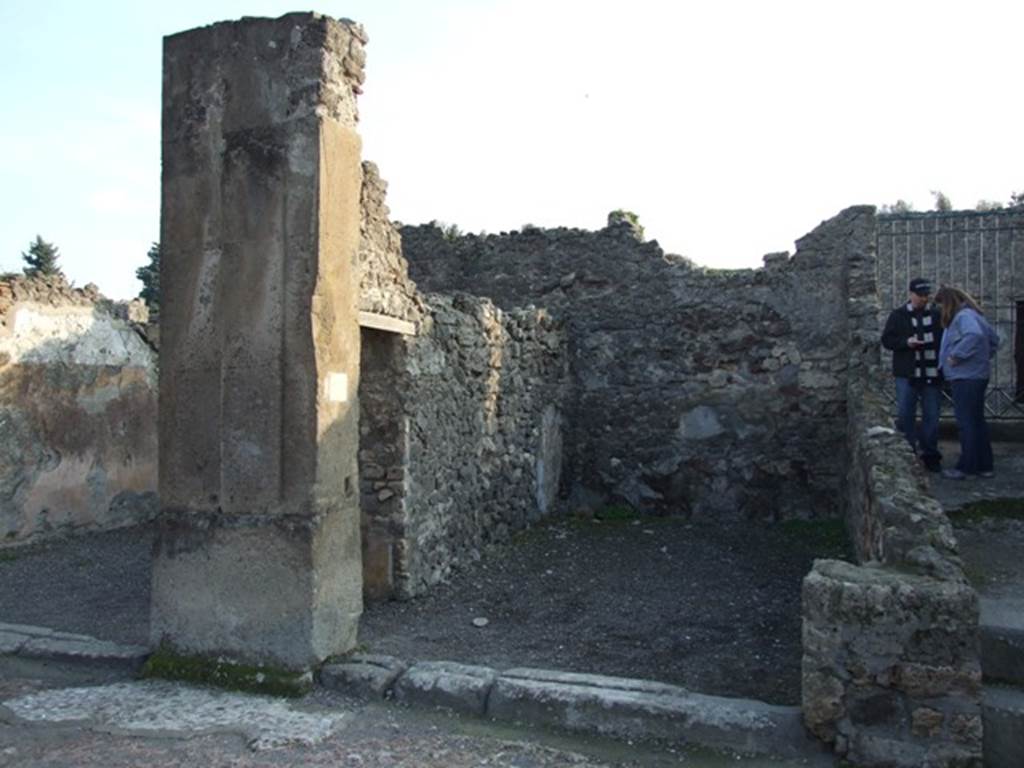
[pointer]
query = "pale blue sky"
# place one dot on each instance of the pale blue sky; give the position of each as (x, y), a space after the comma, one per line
(731, 128)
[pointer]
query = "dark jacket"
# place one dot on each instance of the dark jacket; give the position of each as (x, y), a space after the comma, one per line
(899, 328)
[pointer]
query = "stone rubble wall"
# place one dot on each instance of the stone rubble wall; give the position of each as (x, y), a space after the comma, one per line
(891, 674)
(78, 405)
(384, 284)
(474, 450)
(714, 393)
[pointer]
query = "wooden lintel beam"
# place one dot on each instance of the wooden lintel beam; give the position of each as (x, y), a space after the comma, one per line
(386, 323)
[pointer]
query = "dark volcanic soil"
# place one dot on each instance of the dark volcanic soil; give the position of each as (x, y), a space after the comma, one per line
(715, 608)
(712, 608)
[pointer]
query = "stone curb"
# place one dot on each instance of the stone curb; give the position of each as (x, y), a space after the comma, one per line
(610, 706)
(1003, 714)
(49, 644)
(1002, 653)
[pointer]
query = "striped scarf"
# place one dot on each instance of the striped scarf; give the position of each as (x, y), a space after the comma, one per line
(926, 356)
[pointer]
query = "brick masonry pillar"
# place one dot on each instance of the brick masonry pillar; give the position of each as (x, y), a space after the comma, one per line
(257, 555)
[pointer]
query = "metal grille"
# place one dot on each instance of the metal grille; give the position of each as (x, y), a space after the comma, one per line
(980, 252)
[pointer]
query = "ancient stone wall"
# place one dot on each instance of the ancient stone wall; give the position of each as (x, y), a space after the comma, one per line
(891, 674)
(77, 411)
(461, 422)
(384, 284)
(717, 393)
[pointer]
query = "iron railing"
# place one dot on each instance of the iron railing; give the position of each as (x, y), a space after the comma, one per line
(981, 252)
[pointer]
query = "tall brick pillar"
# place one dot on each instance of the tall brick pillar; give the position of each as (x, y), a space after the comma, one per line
(258, 553)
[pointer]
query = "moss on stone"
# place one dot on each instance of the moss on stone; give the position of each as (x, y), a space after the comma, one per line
(828, 538)
(989, 509)
(167, 664)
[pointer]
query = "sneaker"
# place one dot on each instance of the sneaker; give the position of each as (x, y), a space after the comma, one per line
(987, 475)
(953, 474)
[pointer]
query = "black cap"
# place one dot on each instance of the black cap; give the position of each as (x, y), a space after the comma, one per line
(920, 286)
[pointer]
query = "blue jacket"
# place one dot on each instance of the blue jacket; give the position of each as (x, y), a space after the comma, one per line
(973, 342)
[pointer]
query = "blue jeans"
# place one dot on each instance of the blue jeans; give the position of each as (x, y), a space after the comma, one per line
(969, 407)
(925, 439)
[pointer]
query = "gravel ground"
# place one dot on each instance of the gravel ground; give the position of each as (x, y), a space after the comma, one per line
(715, 608)
(1009, 469)
(97, 584)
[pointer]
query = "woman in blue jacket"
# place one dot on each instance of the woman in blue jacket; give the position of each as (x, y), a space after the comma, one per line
(965, 357)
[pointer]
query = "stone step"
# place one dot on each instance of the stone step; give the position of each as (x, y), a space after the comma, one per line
(1002, 640)
(52, 645)
(1003, 717)
(613, 707)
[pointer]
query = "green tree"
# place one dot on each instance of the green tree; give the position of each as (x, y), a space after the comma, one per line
(149, 276)
(41, 259)
(900, 206)
(942, 202)
(1016, 200)
(988, 205)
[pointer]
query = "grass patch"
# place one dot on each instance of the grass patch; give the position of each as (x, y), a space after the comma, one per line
(169, 665)
(989, 509)
(8, 555)
(827, 538)
(617, 512)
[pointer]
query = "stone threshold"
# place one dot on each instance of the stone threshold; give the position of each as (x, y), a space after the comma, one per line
(49, 644)
(616, 707)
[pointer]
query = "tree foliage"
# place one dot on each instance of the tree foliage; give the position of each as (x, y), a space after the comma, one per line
(149, 275)
(900, 206)
(942, 202)
(41, 259)
(1017, 200)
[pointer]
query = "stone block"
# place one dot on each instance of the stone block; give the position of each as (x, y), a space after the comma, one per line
(363, 675)
(890, 668)
(1003, 717)
(11, 642)
(205, 600)
(1002, 653)
(459, 687)
(638, 709)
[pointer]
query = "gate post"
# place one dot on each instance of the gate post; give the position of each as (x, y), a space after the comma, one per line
(257, 554)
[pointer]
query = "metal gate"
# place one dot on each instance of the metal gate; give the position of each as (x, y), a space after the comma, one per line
(979, 252)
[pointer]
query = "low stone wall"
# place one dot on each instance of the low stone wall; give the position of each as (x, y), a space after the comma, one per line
(461, 438)
(710, 393)
(78, 405)
(891, 674)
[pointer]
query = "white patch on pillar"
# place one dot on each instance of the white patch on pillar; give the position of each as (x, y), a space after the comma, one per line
(337, 387)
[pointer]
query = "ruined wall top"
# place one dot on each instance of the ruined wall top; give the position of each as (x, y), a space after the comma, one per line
(310, 64)
(55, 291)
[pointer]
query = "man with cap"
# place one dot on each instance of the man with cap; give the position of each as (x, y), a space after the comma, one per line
(914, 332)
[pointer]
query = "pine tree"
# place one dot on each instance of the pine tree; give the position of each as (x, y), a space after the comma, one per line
(41, 259)
(149, 275)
